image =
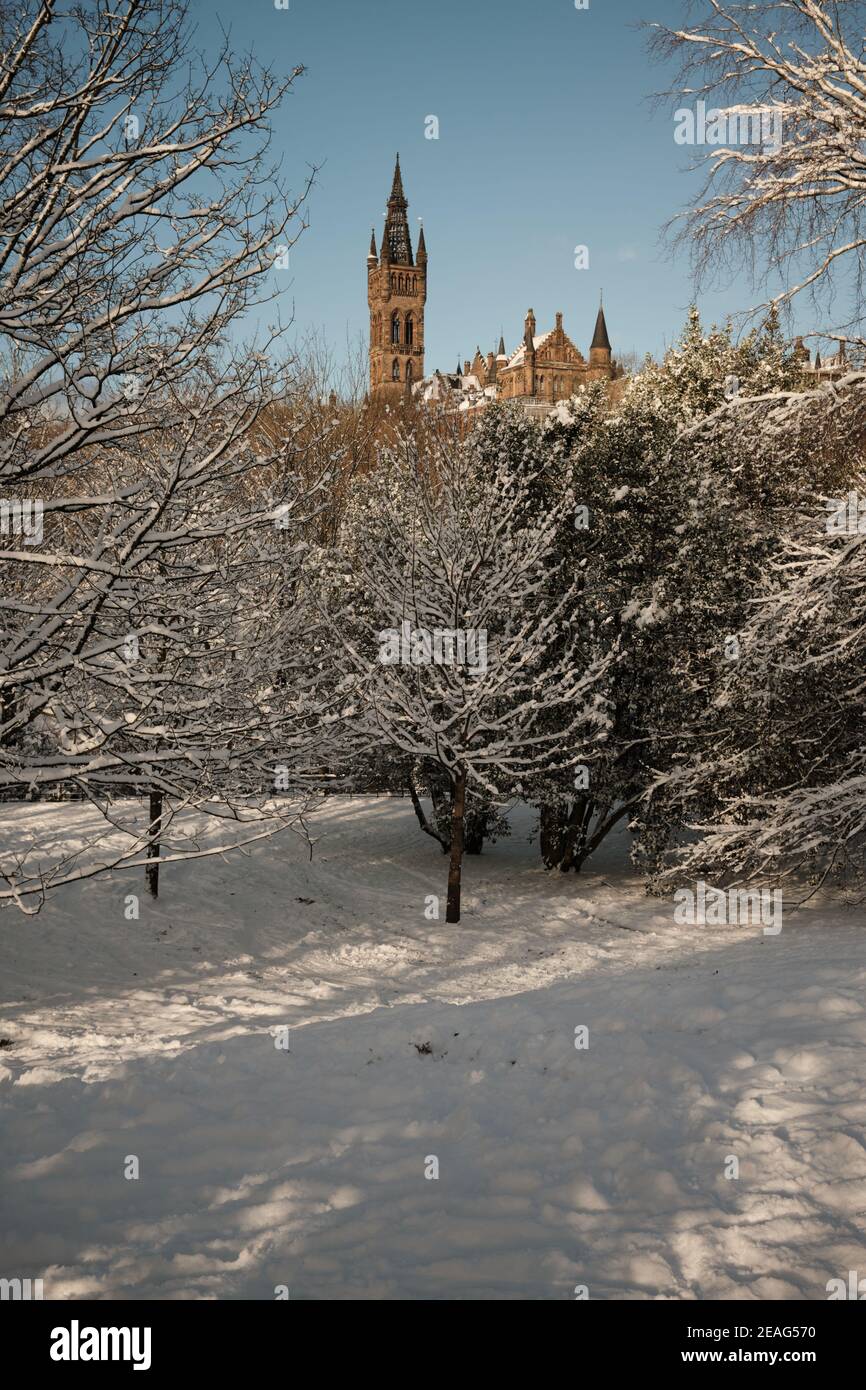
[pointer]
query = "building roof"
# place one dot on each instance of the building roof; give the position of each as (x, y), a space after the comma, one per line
(518, 357)
(599, 337)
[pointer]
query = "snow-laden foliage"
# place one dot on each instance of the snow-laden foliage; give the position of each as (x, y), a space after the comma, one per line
(709, 367)
(642, 493)
(148, 638)
(769, 769)
(435, 544)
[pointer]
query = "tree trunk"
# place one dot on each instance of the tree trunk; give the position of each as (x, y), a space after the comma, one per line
(422, 819)
(473, 838)
(151, 871)
(603, 828)
(551, 831)
(559, 831)
(440, 796)
(574, 845)
(458, 804)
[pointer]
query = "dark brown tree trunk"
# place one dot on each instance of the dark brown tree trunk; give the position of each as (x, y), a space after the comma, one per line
(458, 805)
(151, 871)
(603, 828)
(422, 819)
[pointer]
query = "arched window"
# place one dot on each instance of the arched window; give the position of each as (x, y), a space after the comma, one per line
(395, 327)
(395, 370)
(414, 284)
(410, 330)
(408, 371)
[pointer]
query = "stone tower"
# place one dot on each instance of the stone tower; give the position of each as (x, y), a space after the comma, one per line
(396, 294)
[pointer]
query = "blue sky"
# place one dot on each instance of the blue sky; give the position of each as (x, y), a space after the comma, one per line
(546, 141)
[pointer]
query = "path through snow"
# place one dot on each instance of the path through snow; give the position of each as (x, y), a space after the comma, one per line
(410, 1040)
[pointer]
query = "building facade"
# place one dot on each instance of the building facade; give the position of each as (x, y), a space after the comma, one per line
(545, 367)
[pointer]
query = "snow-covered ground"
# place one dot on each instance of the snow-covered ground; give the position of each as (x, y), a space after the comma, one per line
(413, 1040)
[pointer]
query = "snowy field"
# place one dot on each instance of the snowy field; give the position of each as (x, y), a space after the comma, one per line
(413, 1040)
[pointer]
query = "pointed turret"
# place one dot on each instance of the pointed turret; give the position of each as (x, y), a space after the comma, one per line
(599, 337)
(501, 352)
(422, 247)
(599, 348)
(373, 256)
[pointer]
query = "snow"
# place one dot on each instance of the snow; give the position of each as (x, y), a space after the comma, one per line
(410, 1040)
(517, 358)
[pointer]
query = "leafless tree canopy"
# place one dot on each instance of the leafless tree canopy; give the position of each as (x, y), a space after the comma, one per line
(790, 210)
(148, 640)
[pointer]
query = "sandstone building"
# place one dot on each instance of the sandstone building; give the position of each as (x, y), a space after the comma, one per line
(396, 294)
(543, 369)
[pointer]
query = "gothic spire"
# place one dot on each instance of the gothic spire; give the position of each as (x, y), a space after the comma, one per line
(397, 185)
(396, 234)
(373, 256)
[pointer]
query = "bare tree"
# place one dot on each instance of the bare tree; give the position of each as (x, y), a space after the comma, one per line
(786, 164)
(148, 640)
